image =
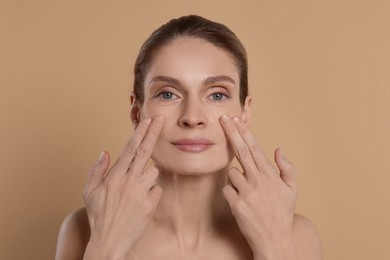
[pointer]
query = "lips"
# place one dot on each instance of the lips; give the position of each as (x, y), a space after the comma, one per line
(193, 145)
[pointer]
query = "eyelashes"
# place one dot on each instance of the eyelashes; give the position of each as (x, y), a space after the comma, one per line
(166, 95)
(216, 96)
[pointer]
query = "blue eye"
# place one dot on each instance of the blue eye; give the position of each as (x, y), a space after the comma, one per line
(166, 95)
(218, 96)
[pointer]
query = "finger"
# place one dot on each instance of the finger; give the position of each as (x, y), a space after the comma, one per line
(146, 147)
(230, 194)
(150, 177)
(237, 179)
(286, 168)
(96, 174)
(130, 150)
(240, 148)
(259, 157)
(155, 193)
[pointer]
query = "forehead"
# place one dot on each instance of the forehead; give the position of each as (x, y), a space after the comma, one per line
(192, 58)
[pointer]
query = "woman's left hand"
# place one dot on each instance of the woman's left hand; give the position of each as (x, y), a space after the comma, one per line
(262, 198)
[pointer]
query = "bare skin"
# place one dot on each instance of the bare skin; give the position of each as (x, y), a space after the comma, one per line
(190, 205)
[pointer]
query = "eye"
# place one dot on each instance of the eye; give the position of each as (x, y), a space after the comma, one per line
(218, 96)
(166, 95)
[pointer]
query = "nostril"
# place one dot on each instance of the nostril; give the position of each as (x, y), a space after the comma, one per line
(191, 123)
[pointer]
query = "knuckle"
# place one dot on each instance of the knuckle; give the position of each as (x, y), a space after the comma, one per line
(148, 209)
(142, 152)
(131, 147)
(107, 188)
(232, 173)
(93, 169)
(152, 175)
(243, 151)
(255, 148)
(231, 177)
(109, 175)
(235, 176)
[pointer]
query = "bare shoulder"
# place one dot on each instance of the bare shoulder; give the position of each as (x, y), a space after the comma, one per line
(73, 236)
(306, 239)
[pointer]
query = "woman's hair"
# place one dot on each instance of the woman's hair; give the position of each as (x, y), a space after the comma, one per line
(196, 27)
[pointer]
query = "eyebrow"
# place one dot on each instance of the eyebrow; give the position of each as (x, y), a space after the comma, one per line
(166, 79)
(208, 81)
(215, 79)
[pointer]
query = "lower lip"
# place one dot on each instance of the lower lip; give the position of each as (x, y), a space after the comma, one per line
(193, 148)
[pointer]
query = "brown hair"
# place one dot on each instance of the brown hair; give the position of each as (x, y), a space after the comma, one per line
(190, 26)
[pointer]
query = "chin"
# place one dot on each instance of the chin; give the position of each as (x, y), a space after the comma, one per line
(193, 164)
(193, 170)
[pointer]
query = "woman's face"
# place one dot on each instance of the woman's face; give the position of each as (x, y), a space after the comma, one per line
(192, 83)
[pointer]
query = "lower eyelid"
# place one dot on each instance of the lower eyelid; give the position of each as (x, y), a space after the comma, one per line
(224, 97)
(160, 96)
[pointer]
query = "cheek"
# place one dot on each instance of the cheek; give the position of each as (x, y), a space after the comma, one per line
(234, 110)
(151, 111)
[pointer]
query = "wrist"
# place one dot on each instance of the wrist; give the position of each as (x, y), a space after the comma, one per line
(282, 250)
(96, 251)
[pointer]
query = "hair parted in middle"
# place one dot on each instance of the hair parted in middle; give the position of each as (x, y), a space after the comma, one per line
(196, 27)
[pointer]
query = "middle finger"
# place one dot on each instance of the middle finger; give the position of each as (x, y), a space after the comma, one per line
(259, 157)
(239, 146)
(146, 147)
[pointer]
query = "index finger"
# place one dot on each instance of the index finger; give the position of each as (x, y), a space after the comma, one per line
(240, 137)
(129, 151)
(259, 157)
(239, 146)
(145, 149)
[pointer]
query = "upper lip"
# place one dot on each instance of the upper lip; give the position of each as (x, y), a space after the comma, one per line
(193, 141)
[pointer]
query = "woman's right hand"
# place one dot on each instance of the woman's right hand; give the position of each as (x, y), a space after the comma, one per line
(121, 202)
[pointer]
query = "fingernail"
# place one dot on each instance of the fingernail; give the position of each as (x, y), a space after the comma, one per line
(236, 119)
(225, 118)
(281, 154)
(101, 156)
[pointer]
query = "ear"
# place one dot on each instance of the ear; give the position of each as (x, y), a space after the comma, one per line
(246, 112)
(135, 113)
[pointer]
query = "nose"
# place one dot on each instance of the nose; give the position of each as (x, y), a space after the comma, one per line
(192, 115)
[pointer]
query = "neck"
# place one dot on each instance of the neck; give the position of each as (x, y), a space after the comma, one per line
(192, 206)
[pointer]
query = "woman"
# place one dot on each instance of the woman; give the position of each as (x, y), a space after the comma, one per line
(190, 109)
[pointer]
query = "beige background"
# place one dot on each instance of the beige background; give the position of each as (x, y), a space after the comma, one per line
(319, 73)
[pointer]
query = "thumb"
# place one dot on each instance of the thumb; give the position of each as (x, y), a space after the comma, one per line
(96, 174)
(286, 168)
